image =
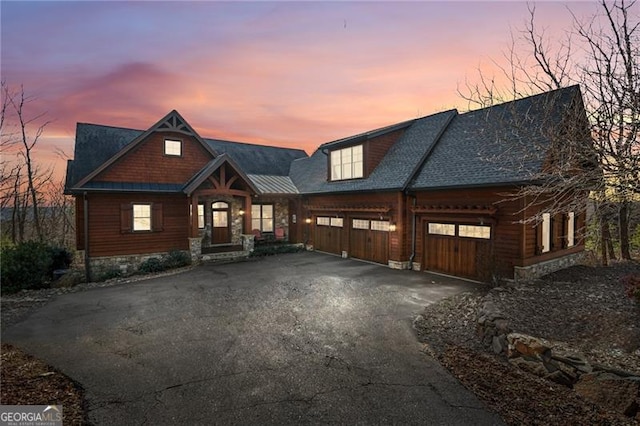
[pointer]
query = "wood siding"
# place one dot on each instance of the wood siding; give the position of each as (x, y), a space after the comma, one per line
(505, 248)
(106, 237)
(394, 243)
(148, 163)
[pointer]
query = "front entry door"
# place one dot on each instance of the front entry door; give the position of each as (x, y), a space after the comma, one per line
(221, 229)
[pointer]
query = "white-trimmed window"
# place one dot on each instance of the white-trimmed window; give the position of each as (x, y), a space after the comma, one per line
(380, 225)
(474, 231)
(347, 163)
(337, 222)
(571, 229)
(141, 217)
(546, 232)
(173, 147)
(262, 217)
(442, 229)
(323, 221)
(360, 224)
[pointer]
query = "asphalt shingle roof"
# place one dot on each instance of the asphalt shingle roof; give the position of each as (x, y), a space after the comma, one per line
(506, 143)
(95, 144)
(503, 144)
(393, 172)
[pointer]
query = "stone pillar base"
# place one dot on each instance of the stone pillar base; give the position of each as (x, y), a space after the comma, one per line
(248, 242)
(195, 248)
(395, 264)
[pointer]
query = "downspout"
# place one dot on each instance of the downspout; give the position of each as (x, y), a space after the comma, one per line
(87, 265)
(413, 234)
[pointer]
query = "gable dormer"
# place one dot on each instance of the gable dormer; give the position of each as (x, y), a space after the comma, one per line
(358, 156)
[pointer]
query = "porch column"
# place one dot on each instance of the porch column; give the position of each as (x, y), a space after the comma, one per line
(194, 217)
(247, 214)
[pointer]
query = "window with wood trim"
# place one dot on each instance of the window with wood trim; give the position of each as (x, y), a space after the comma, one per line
(571, 229)
(262, 217)
(442, 229)
(141, 217)
(347, 163)
(380, 225)
(546, 233)
(200, 216)
(337, 222)
(475, 231)
(173, 147)
(360, 224)
(323, 221)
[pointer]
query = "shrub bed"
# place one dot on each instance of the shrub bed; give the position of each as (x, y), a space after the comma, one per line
(30, 265)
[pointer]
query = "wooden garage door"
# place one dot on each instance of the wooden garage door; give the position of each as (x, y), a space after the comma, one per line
(457, 249)
(328, 234)
(369, 240)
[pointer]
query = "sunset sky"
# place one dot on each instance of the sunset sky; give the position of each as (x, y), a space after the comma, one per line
(293, 74)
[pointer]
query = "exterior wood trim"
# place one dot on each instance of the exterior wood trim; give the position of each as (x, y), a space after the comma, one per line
(366, 209)
(482, 210)
(156, 127)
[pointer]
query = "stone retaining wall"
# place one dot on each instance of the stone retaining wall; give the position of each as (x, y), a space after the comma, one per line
(604, 386)
(125, 265)
(524, 273)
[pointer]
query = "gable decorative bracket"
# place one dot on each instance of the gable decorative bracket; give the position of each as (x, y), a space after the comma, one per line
(173, 123)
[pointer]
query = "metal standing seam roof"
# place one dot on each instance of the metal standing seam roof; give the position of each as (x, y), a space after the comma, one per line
(269, 184)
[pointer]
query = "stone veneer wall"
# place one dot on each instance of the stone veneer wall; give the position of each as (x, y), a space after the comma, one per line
(281, 213)
(523, 273)
(125, 264)
(236, 204)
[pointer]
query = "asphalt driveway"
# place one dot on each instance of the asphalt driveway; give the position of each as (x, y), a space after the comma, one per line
(294, 339)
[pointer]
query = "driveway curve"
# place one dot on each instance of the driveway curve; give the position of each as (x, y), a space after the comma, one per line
(304, 338)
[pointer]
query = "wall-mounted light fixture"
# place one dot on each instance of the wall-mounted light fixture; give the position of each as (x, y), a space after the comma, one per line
(241, 212)
(307, 220)
(392, 227)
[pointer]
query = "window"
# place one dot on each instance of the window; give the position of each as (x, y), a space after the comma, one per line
(200, 216)
(262, 217)
(442, 229)
(360, 224)
(142, 217)
(474, 231)
(347, 163)
(220, 214)
(571, 229)
(173, 147)
(380, 225)
(546, 232)
(323, 221)
(337, 222)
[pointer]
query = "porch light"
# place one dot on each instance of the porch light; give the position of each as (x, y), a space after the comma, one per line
(307, 220)
(241, 212)
(392, 227)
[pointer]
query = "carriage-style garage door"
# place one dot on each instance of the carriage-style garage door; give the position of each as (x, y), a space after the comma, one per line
(328, 234)
(457, 249)
(369, 240)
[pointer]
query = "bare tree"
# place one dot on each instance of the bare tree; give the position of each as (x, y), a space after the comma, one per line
(607, 166)
(14, 110)
(611, 81)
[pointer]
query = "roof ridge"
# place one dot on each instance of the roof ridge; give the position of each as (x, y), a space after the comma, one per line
(523, 99)
(454, 113)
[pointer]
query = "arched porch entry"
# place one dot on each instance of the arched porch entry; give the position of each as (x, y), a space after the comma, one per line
(220, 204)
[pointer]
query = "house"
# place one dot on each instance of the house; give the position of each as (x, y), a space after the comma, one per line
(424, 194)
